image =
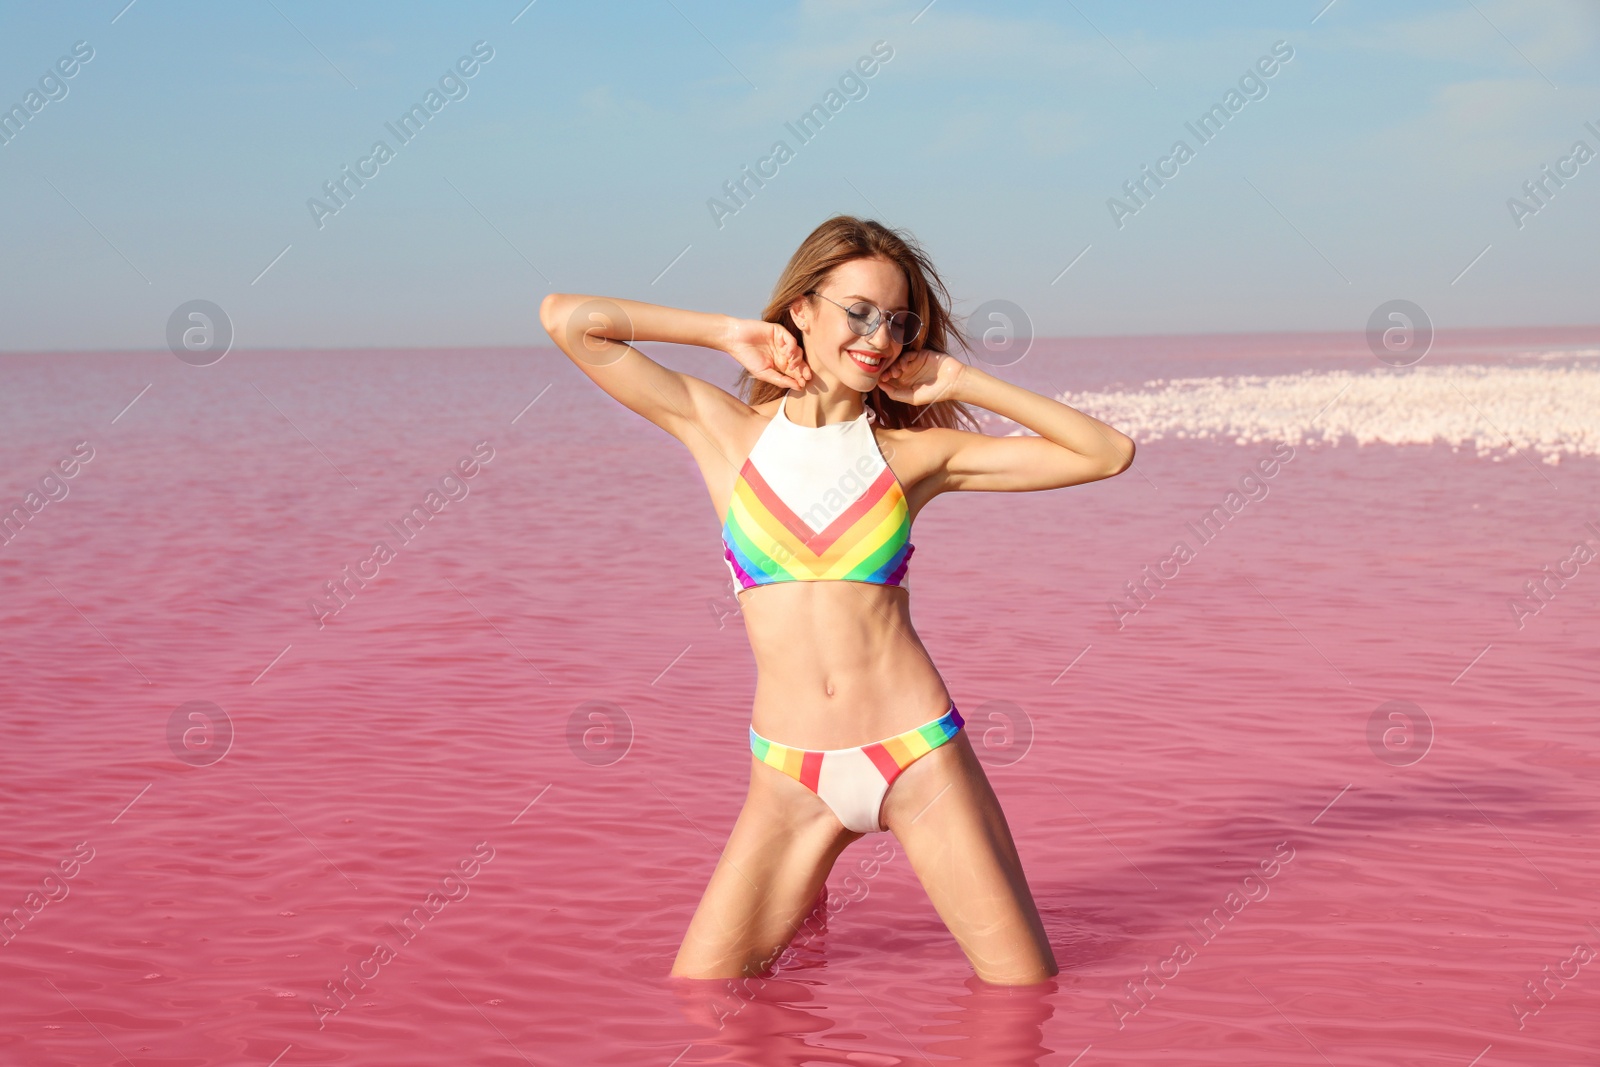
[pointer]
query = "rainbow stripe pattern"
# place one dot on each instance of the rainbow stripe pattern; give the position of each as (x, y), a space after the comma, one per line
(764, 541)
(889, 757)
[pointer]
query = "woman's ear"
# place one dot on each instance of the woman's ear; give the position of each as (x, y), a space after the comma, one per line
(798, 310)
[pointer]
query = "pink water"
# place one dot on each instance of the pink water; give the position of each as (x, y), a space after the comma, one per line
(431, 716)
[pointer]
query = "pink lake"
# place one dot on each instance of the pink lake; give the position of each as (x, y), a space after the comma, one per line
(529, 730)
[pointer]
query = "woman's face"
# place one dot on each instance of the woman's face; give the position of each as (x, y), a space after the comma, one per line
(834, 351)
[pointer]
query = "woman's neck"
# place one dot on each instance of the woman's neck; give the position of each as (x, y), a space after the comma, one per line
(820, 404)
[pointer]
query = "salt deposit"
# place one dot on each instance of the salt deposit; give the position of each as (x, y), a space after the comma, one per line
(1547, 411)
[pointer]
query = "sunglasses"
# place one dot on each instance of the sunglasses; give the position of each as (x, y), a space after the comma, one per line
(865, 318)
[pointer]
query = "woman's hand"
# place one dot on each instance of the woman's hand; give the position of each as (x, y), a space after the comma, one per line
(922, 376)
(768, 351)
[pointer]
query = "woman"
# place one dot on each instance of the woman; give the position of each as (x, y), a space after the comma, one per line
(852, 731)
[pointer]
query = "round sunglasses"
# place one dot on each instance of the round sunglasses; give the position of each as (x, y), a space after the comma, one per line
(865, 318)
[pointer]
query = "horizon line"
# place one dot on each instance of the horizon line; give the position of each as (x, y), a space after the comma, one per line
(1440, 332)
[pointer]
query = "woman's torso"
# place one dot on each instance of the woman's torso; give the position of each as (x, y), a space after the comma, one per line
(838, 662)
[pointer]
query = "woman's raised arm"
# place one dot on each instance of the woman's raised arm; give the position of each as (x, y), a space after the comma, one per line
(1071, 448)
(595, 333)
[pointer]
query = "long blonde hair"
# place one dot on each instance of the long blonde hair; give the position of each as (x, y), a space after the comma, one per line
(842, 239)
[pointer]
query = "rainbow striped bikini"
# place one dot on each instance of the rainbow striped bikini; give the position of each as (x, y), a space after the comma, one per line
(854, 781)
(818, 504)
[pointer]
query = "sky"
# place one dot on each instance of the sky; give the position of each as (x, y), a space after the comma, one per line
(185, 159)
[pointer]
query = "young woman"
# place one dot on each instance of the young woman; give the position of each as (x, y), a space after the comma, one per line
(853, 730)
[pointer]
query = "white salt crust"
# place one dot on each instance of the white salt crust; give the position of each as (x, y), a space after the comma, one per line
(1545, 411)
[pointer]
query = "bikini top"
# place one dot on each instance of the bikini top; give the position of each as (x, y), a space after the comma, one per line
(817, 503)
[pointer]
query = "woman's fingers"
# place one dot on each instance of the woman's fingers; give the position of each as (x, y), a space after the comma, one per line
(795, 358)
(777, 377)
(784, 360)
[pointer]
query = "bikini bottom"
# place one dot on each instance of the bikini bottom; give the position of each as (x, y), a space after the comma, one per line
(854, 781)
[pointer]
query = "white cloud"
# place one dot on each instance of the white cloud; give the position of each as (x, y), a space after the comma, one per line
(1551, 35)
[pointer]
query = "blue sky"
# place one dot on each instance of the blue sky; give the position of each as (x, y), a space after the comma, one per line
(180, 162)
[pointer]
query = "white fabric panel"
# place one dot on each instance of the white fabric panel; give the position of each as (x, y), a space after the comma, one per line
(853, 787)
(805, 464)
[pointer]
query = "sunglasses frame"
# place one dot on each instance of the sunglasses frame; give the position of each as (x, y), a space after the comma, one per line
(878, 318)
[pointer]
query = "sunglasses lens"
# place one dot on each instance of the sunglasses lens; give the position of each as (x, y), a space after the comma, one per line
(863, 318)
(904, 326)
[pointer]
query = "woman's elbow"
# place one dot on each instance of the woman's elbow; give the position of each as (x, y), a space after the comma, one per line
(550, 312)
(1124, 457)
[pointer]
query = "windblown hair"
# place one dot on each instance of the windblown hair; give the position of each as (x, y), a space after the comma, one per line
(842, 239)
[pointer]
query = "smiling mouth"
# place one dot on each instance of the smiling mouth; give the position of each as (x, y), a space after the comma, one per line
(866, 361)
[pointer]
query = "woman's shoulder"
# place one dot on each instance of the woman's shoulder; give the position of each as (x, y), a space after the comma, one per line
(915, 453)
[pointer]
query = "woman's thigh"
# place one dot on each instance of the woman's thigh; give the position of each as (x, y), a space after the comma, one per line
(948, 820)
(767, 880)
